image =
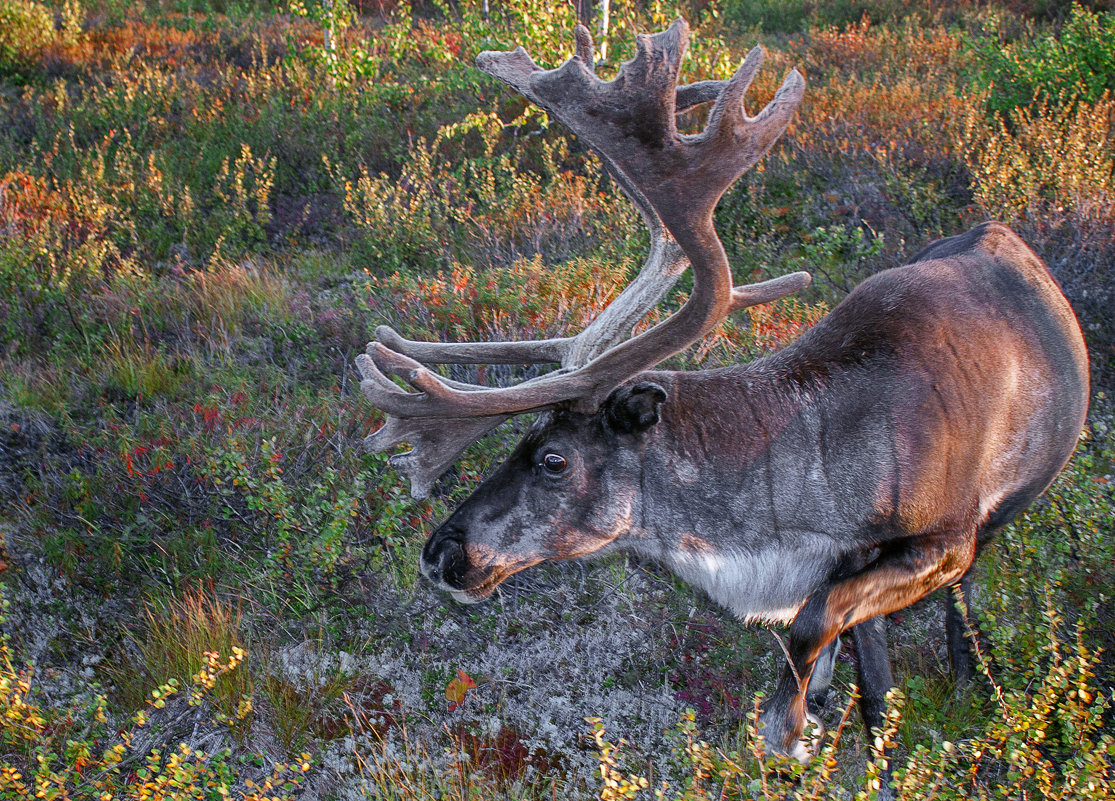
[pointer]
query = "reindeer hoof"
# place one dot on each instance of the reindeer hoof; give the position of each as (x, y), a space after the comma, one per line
(803, 749)
(809, 744)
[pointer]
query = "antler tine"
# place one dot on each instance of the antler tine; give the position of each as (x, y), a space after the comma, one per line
(694, 94)
(439, 398)
(732, 142)
(521, 352)
(583, 44)
(766, 291)
(435, 445)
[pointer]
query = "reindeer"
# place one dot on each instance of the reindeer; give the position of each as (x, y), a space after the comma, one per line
(824, 486)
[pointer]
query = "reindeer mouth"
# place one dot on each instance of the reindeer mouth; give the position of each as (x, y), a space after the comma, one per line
(487, 584)
(473, 596)
(463, 597)
(478, 593)
(483, 581)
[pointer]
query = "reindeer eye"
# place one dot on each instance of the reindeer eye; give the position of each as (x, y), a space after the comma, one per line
(553, 462)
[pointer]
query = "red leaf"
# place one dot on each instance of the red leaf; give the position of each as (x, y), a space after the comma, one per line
(458, 688)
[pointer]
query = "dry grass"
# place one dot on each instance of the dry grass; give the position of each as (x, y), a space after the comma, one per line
(178, 635)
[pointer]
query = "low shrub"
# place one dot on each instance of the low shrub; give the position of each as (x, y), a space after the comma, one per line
(91, 749)
(26, 27)
(1077, 65)
(1044, 154)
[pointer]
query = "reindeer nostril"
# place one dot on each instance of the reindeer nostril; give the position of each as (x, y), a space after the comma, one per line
(443, 558)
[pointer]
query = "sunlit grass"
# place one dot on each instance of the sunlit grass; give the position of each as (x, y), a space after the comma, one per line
(177, 635)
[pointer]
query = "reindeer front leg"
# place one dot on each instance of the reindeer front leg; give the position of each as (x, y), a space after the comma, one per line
(905, 571)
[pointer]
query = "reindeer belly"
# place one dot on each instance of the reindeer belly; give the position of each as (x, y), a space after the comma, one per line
(768, 584)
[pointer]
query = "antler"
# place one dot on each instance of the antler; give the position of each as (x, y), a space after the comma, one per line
(675, 180)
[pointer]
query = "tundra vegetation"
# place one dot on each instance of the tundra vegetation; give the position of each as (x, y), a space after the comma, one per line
(209, 591)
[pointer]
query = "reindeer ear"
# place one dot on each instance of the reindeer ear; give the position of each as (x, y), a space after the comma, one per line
(633, 409)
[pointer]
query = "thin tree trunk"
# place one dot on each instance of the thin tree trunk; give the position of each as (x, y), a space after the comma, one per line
(329, 37)
(584, 12)
(605, 19)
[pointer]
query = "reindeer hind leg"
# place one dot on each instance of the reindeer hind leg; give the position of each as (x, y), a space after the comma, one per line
(873, 666)
(956, 632)
(875, 680)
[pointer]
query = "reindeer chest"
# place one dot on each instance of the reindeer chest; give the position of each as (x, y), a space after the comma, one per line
(757, 536)
(769, 582)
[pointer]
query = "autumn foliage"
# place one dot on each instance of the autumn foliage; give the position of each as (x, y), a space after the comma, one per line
(205, 213)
